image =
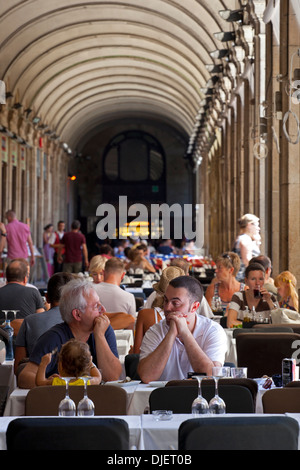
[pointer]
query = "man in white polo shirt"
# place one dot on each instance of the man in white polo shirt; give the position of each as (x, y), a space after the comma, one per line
(183, 342)
(112, 296)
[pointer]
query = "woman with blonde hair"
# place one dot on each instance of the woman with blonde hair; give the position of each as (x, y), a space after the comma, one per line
(225, 284)
(286, 288)
(96, 268)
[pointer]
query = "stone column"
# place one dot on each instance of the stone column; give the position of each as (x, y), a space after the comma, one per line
(289, 167)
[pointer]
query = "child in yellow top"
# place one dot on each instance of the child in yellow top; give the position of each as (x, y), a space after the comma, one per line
(74, 360)
(286, 287)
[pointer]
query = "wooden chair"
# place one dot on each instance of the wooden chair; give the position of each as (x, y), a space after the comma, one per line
(281, 400)
(250, 384)
(67, 434)
(238, 399)
(239, 433)
(295, 327)
(121, 321)
(44, 401)
(262, 353)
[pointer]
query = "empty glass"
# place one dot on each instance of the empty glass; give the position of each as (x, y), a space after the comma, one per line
(199, 405)
(239, 372)
(85, 407)
(216, 404)
(6, 312)
(216, 304)
(67, 406)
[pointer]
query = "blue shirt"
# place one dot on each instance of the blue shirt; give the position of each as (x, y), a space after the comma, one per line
(57, 336)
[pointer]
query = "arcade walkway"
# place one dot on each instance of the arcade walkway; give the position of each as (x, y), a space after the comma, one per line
(203, 94)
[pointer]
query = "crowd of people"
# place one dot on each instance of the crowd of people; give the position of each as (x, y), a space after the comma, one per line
(70, 332)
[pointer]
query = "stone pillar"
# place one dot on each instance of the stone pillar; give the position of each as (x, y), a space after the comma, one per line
(289, 161)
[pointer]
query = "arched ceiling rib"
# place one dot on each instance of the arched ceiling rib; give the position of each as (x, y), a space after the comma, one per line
(77, 62)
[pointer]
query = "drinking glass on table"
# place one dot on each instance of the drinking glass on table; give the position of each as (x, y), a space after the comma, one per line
(199, 405)
(239, 372)
(86, 406)
(67, 406)
(216, 404)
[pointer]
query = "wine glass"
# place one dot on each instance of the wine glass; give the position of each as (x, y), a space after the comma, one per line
(5, 315)
(85, 407)
(199, 405)
(216, 404)
(15, 313)
(67, 406)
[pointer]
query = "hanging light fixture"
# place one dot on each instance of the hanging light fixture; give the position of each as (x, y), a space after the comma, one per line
(219, 53)
(232, 15)
(225, 37)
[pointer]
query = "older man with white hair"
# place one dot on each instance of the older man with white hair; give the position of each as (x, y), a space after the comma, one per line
(83, 319)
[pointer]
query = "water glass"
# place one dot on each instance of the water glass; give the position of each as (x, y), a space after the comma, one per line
(239, 372)
(200, 404)
(67, 406)
(86, 406)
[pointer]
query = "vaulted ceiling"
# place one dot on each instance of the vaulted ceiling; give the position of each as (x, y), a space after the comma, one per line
(77, 64)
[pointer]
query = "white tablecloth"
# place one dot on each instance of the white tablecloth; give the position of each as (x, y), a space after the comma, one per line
(231, 355)
(138, 400)
(124, 340)
(7, 376)
(163, 435)
(145, 432)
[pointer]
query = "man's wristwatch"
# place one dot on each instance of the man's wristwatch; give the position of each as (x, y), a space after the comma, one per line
(3, 234)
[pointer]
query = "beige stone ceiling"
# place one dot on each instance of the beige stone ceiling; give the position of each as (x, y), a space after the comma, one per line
(78, 64)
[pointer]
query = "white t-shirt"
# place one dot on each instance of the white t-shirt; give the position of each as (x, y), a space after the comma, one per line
(209, 335)
(115, 299)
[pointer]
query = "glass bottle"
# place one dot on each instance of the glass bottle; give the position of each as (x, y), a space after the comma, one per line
(9, 347)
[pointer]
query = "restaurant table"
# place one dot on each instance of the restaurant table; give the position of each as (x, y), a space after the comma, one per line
(137, 399)
(163, 435)
(7, 375)
(124, 340)
(231, 355)
(2, 351)
(145, 433)
(134, 423)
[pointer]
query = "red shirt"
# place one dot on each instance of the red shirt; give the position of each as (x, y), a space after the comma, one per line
(73, 242)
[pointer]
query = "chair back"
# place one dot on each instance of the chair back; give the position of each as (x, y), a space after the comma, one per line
(262, 353)
(67, 434)
(139, 301)
(295, 327)
(261, 329)
(44, 401)
(121, 320)
(179, 399)
(281, 400)
(250, 384)
(131, 363)
(239, 433)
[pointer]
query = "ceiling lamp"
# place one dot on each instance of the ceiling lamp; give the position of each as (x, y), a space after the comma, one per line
(219, 53)
(212, 68)
(225, 37)
(17, 106)
(231, 15)
(212, 81)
